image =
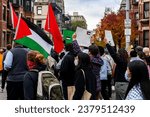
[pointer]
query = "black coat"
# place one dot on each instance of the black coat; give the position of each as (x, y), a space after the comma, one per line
(30, 85)
(121, 65)
(80, 83)
(67, 69)
(30, 82)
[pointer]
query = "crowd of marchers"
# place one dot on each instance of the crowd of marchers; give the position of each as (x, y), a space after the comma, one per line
(84, 73)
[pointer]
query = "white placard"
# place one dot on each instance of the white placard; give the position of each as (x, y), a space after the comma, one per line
(109, 37)
(83, 37)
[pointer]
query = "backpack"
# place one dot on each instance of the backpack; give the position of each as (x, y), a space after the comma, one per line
(51, 64)
(48, 87)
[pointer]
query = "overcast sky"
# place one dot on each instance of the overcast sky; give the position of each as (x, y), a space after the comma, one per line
(92, 10)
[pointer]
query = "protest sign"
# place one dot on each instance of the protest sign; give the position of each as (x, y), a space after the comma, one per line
(108, 36)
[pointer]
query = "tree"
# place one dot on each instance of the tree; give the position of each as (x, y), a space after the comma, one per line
(75, 24)
(115, 23)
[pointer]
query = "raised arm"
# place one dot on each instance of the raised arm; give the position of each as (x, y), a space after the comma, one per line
(111, 51)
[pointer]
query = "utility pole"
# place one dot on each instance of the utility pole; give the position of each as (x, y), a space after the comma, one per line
(127, 26)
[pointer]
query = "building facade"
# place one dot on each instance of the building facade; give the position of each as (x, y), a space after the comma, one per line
(25, 7)
(144, 22)
(41, 8)
(76, 17)
(3, 22)
(141, 12)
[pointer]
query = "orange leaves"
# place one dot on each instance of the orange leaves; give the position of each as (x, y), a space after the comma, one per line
(115, 23)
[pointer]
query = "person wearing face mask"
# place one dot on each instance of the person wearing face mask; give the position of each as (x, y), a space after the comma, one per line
(35, 63)
(121, 60)
(67, 70)
(139, 83)
(87, 78)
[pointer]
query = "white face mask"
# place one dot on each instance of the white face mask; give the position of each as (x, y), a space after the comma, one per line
(76, 62)
(127, 76)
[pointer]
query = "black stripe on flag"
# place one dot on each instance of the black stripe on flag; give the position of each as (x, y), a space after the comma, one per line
(38, 30)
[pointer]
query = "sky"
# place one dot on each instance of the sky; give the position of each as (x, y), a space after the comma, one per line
(92, 10)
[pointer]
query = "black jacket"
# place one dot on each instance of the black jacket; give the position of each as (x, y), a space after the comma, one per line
(30, 83)
(67, 69)
(80, 83)
(121, 65)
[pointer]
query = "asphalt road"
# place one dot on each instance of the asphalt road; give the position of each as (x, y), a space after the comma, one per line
(3, 95)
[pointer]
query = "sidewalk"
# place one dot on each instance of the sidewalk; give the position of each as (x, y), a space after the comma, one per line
(3, 96)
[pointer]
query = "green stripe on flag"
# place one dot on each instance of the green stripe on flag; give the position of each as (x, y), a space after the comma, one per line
(28, 42)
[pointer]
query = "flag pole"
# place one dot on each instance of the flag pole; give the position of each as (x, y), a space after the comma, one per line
(49, 20)
(49, 3)
(13, 43)
(11, 11)
(10, 6)
(48, 16)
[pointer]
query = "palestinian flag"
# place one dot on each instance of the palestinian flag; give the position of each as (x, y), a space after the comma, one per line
(31, 36)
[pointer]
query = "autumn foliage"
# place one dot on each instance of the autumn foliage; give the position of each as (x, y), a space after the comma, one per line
(115, 23)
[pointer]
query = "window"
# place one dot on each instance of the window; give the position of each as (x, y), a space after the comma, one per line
(32, 6)
(28, 5)
(136, 15)
(3, 38)
(21, 2)
(8, 39)
(136, 0)
(39, 23)
(146, 10)
(4, 13)
(39, 10)
(146, 38)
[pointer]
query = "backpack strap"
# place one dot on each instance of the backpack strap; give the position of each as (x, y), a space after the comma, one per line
(34, 70)
(84, 78)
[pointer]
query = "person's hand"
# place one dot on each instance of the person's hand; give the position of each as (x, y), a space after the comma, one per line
(74, 36)
(105, 41)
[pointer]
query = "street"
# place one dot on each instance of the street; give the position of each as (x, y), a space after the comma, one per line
(3, 96)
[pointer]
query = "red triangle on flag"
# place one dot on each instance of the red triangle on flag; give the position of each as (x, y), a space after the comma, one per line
(22, 30)
(52, 27)
(14, 17)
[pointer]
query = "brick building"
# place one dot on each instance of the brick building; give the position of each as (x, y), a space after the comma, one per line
(141, 10)
(3, 22)
(144, 22)
(25, 7)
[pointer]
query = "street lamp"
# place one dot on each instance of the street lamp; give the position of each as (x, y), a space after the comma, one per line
(127, 26)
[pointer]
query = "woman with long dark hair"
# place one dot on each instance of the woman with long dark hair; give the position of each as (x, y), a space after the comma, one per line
(84, 77)
(121, 60)
(139, 83)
